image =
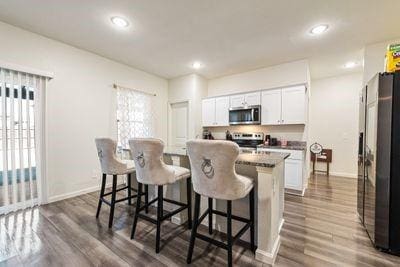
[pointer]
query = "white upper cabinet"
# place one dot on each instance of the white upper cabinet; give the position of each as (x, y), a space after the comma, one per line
(215, 111)
(237, 101)
(293, 105)
(283, 106)
(222, 111)
(208, 112)
(271, 107)
(252, 99)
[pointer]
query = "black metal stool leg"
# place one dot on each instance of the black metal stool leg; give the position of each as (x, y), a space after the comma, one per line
(135, 219)
(252, 226)
(129, 182)
(112, 206)
(229, 230)
(189, 201)
(103, 186)
(210, 221)
(159, 216)
(194, 228)
(146, 198)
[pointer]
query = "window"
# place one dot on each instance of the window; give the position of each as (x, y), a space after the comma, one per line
(134, 115)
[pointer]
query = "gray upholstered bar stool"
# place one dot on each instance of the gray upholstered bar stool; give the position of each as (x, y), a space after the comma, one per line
(151, 170)
(111, 165)
(214, 176)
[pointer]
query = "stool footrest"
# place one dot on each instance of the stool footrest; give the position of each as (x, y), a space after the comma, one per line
(212, 241)
(172, 213)
(174, 202)
(234, 217)
(241, 232)
(147, 218)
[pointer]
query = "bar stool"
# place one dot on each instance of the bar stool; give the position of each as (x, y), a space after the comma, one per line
(111, 165)
(214, 176)
(151, 170)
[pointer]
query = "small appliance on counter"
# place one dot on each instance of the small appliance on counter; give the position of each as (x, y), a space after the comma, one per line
(228, 136)
(274, 142)
(207, 135)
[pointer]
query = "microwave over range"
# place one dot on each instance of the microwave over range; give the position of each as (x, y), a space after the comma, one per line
(245, 115)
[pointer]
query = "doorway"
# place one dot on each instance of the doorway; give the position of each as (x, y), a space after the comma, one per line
(178, 124)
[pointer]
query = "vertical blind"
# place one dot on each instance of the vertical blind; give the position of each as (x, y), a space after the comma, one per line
(135, 117)
(20, 181)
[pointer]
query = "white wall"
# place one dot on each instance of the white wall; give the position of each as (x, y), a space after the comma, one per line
(191, 87)
(80, 104)
(292, 73)
(334, 120)
(374, 59)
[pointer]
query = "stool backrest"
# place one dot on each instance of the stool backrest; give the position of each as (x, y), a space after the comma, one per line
(213, 167)
(148, 156)
(106, 150)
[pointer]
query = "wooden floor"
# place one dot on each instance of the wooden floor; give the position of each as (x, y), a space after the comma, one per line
(321, 229)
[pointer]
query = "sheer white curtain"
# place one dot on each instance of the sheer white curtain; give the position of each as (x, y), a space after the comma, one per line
(20, 153)
(135, 115)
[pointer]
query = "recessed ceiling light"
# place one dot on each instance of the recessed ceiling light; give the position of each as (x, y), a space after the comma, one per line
(350, 64)
(197, 65)
(120, 22)
(319, 29)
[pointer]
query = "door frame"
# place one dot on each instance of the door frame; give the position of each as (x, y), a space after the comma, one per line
(189, 122)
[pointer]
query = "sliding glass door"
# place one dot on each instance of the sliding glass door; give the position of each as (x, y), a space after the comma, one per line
(19, 181)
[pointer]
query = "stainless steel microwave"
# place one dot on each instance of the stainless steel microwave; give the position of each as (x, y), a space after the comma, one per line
(245, 115)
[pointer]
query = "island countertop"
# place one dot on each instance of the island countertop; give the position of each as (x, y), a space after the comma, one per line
(252, 158)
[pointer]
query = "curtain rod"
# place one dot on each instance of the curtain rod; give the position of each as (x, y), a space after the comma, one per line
(115, 86)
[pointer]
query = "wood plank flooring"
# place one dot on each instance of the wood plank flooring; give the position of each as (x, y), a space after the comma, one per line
(321, 229)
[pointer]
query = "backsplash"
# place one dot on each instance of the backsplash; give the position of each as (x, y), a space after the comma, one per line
(288, 132)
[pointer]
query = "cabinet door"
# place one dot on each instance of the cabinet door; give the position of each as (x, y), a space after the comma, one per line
(293, 174)
(253, 99)
(293, 105)
(271, 107)
(208, 112)
(237, 101)
(222, 111)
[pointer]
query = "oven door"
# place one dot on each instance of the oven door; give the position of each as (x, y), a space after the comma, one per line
(245, 115)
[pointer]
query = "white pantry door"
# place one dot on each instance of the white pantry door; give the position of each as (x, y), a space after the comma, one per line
(179, 124)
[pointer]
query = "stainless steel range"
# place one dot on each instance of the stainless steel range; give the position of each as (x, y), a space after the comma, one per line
(248, 141)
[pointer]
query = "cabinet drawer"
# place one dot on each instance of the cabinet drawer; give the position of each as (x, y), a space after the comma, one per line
(294, 154)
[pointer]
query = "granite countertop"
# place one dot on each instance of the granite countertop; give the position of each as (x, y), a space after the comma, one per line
(252, 158)
(292, 145)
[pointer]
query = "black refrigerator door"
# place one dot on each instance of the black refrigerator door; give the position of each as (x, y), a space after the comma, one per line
(370, 152)
(360, 162)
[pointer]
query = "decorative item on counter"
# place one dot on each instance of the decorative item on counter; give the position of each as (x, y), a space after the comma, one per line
(274, 142)
(228, 136)
(267, 140)
(284, 142)
(392, 58)
(207, 135)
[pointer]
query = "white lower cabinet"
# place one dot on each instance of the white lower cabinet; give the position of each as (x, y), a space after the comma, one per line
(294, 169)
(293, 174)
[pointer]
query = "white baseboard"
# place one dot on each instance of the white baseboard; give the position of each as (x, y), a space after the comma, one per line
(78, 192)
(343, 174)
(269, 257)
(340, 174)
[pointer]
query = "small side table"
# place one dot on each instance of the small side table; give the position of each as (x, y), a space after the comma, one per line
(325, 156)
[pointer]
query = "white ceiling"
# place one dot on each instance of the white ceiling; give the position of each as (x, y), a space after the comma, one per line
(228, 36)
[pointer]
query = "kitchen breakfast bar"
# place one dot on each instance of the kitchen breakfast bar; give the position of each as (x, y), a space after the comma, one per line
(267, 170)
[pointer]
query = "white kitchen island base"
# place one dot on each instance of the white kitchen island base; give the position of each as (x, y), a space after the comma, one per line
(269, 193)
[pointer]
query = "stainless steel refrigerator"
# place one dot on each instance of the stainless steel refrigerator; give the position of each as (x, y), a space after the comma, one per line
(378, 187)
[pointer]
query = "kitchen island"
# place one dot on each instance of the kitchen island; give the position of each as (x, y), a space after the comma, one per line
(267, 170)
